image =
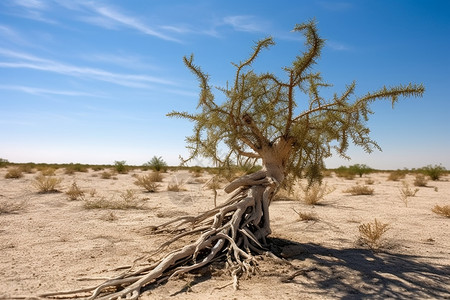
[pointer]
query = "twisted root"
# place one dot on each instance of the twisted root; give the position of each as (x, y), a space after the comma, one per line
(234, 230)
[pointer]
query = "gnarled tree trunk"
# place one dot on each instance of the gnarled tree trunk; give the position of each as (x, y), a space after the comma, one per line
(233, 232)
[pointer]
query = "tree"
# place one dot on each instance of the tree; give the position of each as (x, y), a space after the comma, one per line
(260, 120)
(360, 169)
(157, 164)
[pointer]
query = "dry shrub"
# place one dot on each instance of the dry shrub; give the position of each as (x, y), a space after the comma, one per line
(359, 190)
(75, 193)
(420, 180)
(369, 181)
(406, 192)
(442, 210)
(14, 173)
(106, 175)
(48, 172)
(371, 234)
(149, 182)
(314, 193)
(128, 200)
(306, 216)
(396, 175)
(175, 186)
(7, 207)
(46, 184)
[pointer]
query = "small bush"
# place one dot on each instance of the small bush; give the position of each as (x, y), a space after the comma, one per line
(46, 184)
(435, 172)
(306, 216)
(75, 193)
(106, 175)
(128, 200)
(442, 210)
(360, 190)
(371, 234)
(120, 167)
(406, 192)
(397, 175)
(14, 173)
(344, 172)
(48, 172)
(148, 182)
(72, 168)
(420, 180)
(157, 164)
(315, 193)
(369, 181)
(175, 186)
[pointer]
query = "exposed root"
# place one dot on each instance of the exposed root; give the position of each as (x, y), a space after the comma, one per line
(233, 231)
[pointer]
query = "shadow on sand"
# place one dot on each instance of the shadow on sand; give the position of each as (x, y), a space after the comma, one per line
(362, 274)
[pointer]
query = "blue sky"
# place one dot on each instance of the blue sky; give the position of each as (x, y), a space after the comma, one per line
(92, 81)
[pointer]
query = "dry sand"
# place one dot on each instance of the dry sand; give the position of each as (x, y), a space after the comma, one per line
(52, 242)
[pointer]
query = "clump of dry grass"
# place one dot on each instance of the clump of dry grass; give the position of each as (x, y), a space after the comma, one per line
(14, 173)
(406, 192)
(306, 216)
(175, 186)
(396, 175)
(420, 180)
(128, 200)
(149, 181)
(359, 190)
(369, 181)
(75, 193)
(315, 193)
(442, 210)
(371, 234)
(48, 172)
(46, 184)
(106, 175)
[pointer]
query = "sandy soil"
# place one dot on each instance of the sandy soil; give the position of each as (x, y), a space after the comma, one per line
(52, 243)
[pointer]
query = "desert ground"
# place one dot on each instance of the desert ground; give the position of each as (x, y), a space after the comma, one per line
(50, 243)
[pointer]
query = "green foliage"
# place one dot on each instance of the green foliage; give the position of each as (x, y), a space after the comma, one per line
(360, 169)
(435, 172)
(121, 167)
(3, 162)
(260, 120)
(157, 164)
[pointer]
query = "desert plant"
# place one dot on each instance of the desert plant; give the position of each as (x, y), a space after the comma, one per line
(175, 186)
(128, 200)
(371, 234)
(75, 193)
(121, 167)
(435, 172)
(314, 193)
(46, 184)
(369, 181)
(148, 182)
(157, 164)
(344, 172)
(360, 169)
(397, 175)
(359, 190)
(406, 192)
(106, 175)
(3, 162)
(72, 168)
(14, 173)
(48, 171)
(442, 210)
(420, 180)
(306, 216)
(259, 118)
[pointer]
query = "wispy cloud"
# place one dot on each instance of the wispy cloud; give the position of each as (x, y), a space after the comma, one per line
(245, 23)
(338, 46)
(33, 9)
(108, 16)
(41, 91)
(27, 61)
